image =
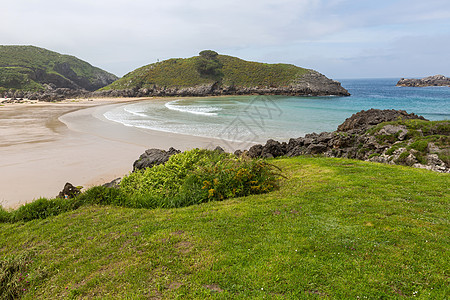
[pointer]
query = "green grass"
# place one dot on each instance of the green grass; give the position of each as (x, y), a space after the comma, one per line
(27, 68)
(335, 229)
(182, 72)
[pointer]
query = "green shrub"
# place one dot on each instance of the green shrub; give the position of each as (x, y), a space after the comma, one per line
(402, 157)
(227, 179)
(40, 209)
(420, 146)
(99, 195)
(198, 176)
(4, 215)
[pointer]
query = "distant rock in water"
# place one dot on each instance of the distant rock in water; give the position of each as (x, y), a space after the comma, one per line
(436, 80)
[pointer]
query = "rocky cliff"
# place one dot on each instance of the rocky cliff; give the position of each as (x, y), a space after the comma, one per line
(436, 80)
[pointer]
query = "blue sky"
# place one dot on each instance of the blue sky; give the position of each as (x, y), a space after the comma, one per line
(339, 38)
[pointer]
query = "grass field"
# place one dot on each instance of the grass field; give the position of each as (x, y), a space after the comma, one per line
(335, 229)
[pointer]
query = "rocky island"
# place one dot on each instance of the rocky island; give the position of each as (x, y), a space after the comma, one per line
(436, 80)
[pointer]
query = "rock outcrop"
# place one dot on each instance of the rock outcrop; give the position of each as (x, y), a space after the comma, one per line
(153, 157)
(69, 191)
(436, 80)
(363, 120)
(361, 137)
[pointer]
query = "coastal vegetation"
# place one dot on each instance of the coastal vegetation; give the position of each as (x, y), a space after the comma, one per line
(29, 68)
(334, 228)
(207, 68)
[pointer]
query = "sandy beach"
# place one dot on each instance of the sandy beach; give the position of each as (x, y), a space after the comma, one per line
(45, 145)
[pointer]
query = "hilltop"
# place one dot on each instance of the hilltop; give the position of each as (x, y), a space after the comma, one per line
(30, 68)
(214, 74)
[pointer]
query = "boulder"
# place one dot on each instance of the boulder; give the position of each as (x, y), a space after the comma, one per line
(255, 151)
(153, 157)
(113, 184)
(69, 191)
(272, 149)
(316, 148)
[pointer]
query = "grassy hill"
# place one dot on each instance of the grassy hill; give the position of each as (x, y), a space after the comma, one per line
(222, 74)
(183, 72)
(27, 68)
(335, 229)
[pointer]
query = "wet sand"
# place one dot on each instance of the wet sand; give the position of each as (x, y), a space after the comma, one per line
(43, 146)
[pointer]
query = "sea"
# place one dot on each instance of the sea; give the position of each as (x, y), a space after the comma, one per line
(255, 119)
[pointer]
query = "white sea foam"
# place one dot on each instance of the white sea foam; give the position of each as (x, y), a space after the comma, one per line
(192, 109)
(130, 109)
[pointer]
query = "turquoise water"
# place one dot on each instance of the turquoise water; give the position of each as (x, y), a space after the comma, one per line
(258, 118)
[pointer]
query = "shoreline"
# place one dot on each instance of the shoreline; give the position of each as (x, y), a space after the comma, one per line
(45, 145)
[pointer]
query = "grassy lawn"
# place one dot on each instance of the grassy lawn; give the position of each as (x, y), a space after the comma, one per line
(335, 229)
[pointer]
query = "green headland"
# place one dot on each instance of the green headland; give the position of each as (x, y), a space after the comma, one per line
(29, 68)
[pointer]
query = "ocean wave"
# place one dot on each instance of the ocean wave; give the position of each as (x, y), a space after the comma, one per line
(192, 109)
(129, 109)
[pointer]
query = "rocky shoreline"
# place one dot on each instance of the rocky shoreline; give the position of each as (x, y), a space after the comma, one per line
(311, 84)
(436, 80)
(360, 137)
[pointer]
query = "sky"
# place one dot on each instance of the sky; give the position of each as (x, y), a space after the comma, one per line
(339, 38)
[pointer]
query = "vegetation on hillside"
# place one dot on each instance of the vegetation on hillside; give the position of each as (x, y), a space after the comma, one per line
(27, 68)
(208, 68)
(336, 228)
(188, 178)
(422, 138)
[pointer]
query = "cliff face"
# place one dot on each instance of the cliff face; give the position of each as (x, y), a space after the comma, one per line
(214, 74)
(436, 80)
(29, 68)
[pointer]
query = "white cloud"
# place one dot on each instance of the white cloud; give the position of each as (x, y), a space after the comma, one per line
(120, 35)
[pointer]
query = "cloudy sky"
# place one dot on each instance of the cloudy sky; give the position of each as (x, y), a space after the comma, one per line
(339, 38)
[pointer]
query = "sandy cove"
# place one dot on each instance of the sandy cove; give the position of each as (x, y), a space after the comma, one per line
(45, 145)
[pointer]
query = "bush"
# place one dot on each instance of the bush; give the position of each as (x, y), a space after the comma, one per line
(191, 177)
(198, 176)
(99, 195)
(4, 215)
(208, 63)
(40, 209)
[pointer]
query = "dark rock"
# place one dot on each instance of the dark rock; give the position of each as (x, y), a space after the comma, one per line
(363, 120)
(255, 151)
(238, 152)
(296, 151)
(219, 149)
(69, 191)
(272, 149)
(153, 157)
(316, 148)
(113, 184)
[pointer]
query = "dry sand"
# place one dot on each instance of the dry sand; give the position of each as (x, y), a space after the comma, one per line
(45, 145)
